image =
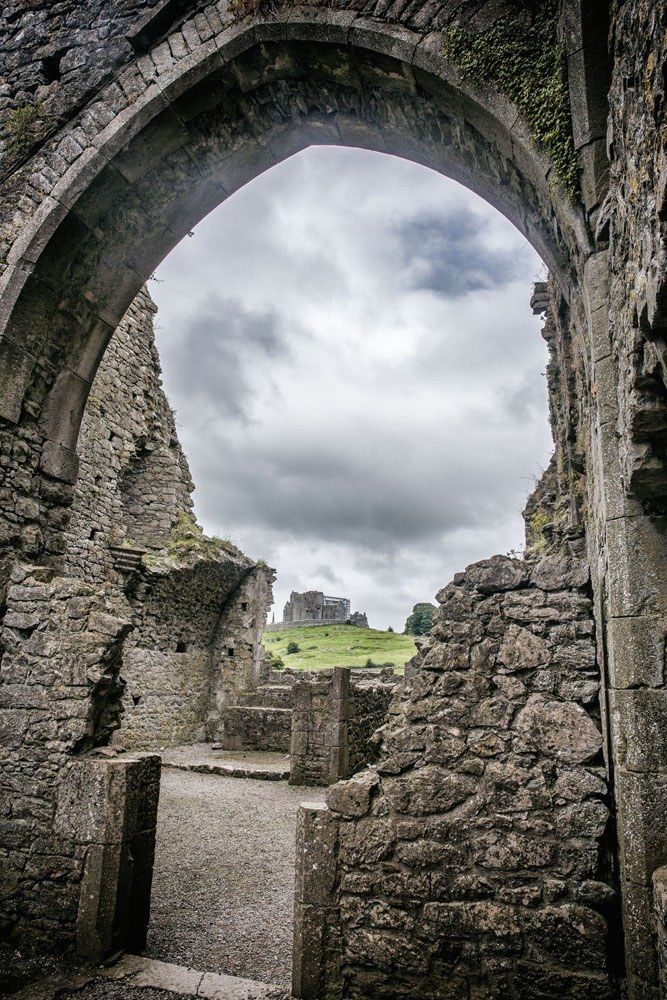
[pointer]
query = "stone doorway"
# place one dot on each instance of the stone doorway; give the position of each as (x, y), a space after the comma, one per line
(179, 109)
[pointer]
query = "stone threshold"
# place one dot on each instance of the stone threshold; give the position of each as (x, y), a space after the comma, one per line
(230, 771)
(137, 973)
(201, 758)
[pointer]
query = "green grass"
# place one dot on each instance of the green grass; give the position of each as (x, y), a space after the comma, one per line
(339, 646)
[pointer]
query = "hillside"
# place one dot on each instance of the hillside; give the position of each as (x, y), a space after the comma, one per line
(339, 646)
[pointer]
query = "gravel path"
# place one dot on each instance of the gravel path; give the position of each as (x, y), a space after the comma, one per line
(224, 875)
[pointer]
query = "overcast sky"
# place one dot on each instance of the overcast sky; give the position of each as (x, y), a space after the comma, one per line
(358, 379)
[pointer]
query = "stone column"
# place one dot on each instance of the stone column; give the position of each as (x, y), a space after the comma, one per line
(315, 912)
(320, 713)
(108, 808)
(629, 567)
(338, 729)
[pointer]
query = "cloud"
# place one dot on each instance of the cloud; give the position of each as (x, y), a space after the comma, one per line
(447, 254)
(221, 341)
(357, 375)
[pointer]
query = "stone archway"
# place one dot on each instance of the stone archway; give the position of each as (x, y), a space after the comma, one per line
(194, 115)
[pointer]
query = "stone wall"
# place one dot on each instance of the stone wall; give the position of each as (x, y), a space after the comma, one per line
(237, 651)
(133, 495)
(660, 904)
(370, 697)
(107, 809)
(477, 858)
(134, 485)
(124, 647)
(61, 695)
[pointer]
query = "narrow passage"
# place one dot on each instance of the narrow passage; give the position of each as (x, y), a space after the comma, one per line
(224, 875)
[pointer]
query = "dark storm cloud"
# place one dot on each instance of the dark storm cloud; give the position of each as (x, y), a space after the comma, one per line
(218, 345)
(446, 254)
(337, 495)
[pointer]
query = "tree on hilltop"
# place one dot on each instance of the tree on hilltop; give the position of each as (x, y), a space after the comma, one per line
(421, 619)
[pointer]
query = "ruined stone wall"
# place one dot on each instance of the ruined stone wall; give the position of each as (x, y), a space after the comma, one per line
(134, 490)
(634, 221)
(238, 658)
(112, 184)
(171, 661)
(370, 697)
(100, 648)
(477, 855)
(134, 483)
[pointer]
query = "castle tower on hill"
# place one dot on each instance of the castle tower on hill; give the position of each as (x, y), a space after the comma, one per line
(315, 608)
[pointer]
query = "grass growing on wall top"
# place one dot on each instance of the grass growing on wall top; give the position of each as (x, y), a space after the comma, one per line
(339, 646)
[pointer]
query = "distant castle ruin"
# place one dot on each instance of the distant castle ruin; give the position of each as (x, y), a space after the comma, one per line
(315, 608)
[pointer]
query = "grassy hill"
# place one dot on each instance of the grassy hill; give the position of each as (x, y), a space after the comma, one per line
(339, 646)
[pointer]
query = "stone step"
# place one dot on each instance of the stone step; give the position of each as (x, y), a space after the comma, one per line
(136, 974)
(207, 758)
(127, 560)
(268, 696)
(253, 727)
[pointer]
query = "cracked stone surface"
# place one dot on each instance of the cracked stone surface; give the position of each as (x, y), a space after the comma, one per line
(224, 875)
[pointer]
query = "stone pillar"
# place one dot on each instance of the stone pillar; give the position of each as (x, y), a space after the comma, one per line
(314, 976)
(629, 568)
(338, 730)
(108, 808)
(320, 713)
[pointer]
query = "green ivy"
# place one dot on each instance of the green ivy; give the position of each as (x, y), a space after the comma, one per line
(527, 64)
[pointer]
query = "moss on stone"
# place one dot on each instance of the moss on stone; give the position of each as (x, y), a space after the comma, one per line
(525, 62)
(538, 539)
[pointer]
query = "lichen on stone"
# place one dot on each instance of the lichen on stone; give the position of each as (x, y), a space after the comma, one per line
(525, 60)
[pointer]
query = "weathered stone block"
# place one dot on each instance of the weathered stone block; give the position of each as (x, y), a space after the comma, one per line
(561, 729)
(642, 803)
(637, 651)
(638, 720)
(352, 798)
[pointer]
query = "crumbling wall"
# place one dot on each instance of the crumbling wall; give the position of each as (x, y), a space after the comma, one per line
(133, 495)
(477, 854)
(75, 74)
(134, 485)
(169, 661)
(634, 222)
(238, 661)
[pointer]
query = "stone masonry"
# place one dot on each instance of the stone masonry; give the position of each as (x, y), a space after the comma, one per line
(191, 600)
(501, 719)
(489, 852)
